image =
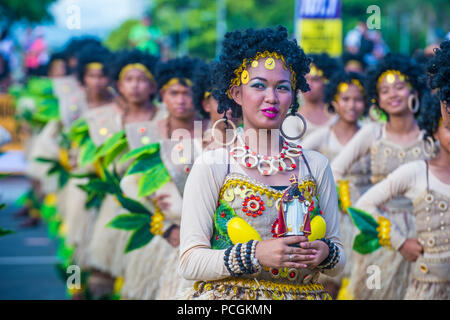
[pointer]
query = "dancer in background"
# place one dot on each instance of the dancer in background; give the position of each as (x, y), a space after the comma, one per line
(427, 184)
(151, 270)
(396, 87)
(344, 96)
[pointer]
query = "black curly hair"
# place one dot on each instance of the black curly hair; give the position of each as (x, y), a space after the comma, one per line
(439, 72)
(181, 68)
(405, 65)
(61, 55)
(325, 63)
(238, 46)
(348, 56)
(339, 77)
(93, 53)
(125, 57)
(203, 82)
(75, 44)
(429, 116)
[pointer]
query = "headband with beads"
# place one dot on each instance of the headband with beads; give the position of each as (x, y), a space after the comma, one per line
(390, 77)
(314, 71)
(183, 81)
(138, 66)
(94, 66)
(243, 77)
(343, 87)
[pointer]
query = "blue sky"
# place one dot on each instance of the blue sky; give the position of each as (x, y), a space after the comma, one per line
(97, 17)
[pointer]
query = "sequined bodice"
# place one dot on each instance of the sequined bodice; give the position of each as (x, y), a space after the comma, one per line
(258, 205)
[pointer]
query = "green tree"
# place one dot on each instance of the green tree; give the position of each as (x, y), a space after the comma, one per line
(16, 10)
(118, 38)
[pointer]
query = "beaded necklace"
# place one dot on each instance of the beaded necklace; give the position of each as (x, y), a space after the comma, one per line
(267, 165)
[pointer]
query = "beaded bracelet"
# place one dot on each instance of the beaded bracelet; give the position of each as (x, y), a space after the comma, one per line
(333, 255)
(226, 261)
(240, 259)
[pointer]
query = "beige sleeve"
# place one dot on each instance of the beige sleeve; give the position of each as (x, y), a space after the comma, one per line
(396, 183)
(315, 140)
(354, 150)
(197, 260)
(329, 205)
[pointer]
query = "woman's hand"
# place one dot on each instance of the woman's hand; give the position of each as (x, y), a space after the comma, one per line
(321, 252)
(277, 253)
(411, 250)
(161, 203)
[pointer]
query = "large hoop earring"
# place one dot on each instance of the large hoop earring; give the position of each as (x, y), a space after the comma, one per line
(429, 144)
(374, 112)
(226, 122)
(413, 105)
(302, 133)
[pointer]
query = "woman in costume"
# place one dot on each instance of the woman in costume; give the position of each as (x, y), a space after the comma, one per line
(396, 88)
(92, 72)
(345, 96)
(231, 210)
(151, 270)
(135, 82)
(427, 184)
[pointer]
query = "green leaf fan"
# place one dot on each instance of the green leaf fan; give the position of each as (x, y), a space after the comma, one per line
(367, 240)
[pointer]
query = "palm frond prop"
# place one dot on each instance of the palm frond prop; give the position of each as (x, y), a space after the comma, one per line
(147, 161)
(140, 221)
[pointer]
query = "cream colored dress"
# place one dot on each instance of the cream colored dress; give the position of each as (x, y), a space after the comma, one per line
(325, 141)
(210, 181)
(150, 271)
(431, 200)
(108, 244)
(385, 157)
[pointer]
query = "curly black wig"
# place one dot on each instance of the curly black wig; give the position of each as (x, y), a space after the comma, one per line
(348, 56)
(203, 82)
(439, 72)
(238, 46)
(125, 57)
(55, 57)
(428, 119)
(405, 65)
(93, 53)
(76, 44)
(339, 77)
(325, 63)
(181, 68)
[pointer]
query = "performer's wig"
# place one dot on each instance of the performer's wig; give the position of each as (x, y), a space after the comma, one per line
(239, 48)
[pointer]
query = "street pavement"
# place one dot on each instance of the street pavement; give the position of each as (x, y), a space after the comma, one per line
(27, 257)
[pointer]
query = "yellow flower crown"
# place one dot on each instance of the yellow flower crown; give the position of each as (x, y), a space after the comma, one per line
(243, 77)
